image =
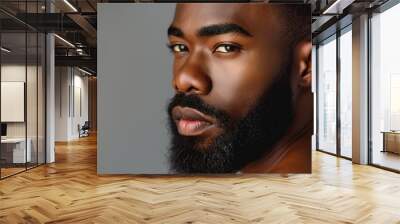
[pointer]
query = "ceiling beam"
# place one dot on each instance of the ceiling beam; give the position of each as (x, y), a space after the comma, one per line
(84, 24)
(83, 61)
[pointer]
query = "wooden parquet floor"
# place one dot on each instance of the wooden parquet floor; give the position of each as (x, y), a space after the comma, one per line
(70, 191)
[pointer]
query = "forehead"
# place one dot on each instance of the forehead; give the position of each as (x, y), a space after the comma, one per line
(252, 16)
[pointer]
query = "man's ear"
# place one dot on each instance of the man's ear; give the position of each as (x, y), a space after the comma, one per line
(303, 60)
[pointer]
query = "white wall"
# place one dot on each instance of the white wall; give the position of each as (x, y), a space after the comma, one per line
(14, 72)
(79, 117)
(69, 84)
(33, 127)
(17, 72)
(13, 101)
(62, 81)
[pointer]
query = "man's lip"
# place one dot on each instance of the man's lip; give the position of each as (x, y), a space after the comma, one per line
(191, 122)
(187, 113)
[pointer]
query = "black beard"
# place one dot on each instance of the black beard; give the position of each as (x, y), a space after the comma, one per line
(241, 142)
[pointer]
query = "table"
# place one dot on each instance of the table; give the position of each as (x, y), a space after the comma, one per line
(391, 141)
(17, 150)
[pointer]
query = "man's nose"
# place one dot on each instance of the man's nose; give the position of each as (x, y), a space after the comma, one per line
(192, 77)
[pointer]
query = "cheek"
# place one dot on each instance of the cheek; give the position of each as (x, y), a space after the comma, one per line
(238, 83)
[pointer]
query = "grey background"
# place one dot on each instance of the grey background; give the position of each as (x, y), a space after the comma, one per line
(134, 86)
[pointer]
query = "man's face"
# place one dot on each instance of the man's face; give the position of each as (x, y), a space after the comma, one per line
(228, 61)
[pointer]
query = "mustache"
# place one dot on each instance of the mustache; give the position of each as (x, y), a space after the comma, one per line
(195, 102)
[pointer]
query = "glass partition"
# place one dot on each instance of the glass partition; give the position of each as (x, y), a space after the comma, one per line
(14, 153)
(326, 59)
(385, 89)
(31, 99)
(345, 92)
(22, 88)
(41, 97)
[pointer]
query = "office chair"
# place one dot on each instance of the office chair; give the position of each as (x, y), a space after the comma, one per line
(84, 130)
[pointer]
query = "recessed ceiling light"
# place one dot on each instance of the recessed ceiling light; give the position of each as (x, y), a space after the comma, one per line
(70, 5)
(65, 41)
(84, 71)
(337, 7)
(5, 50)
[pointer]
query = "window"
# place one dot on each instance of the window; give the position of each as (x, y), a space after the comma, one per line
(385, 89)
(326, 59)
(345, 92)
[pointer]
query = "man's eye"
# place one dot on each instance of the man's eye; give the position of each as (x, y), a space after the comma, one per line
(226, 48)
(178, 48)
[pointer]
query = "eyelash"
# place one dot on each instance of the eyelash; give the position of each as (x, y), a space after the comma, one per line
(235, 47)
(171, 47)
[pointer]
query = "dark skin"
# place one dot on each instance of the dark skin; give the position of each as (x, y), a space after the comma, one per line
(228, 55)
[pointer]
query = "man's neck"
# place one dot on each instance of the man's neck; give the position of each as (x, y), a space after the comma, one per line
(291, 154)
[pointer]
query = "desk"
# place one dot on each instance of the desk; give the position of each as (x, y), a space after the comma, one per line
(17, 150)
(391, 141)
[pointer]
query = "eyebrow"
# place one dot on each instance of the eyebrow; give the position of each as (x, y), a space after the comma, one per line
(212, 30)
(174, 31)
(218, 29)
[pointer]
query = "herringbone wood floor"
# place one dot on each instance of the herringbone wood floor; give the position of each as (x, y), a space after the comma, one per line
(70, 191)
